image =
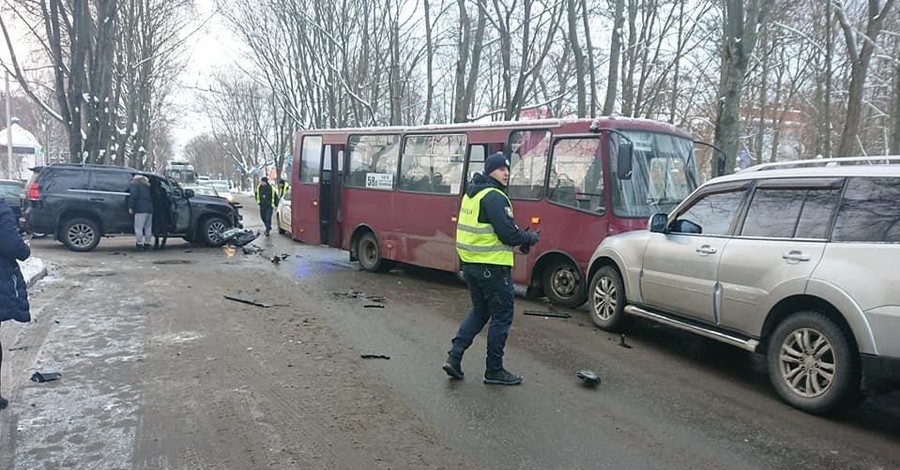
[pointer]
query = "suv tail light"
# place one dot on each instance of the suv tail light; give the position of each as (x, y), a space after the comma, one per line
(34, 192)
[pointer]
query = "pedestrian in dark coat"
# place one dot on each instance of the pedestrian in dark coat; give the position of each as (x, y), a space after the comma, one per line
(140, 204)
(13, 294)
(267, 198)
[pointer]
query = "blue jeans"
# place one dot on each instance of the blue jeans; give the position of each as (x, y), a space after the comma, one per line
(492, 292)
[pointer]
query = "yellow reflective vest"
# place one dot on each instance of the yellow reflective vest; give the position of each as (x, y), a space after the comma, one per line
(476, 241)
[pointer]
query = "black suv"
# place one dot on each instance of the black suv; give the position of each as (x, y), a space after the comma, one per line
(81, 203)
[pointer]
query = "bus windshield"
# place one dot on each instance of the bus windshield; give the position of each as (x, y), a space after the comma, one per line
(664, 173)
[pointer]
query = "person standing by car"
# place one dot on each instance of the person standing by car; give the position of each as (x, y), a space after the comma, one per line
(13, 293)
(266, 197)
(140, 204)
(485, 237)
(283, 188)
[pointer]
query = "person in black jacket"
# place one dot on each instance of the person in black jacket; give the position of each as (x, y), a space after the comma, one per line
(140, 204)
(485, 236)
(13, 294)
(267, 198)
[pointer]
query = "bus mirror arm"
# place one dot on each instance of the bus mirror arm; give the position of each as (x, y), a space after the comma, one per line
(624, 151)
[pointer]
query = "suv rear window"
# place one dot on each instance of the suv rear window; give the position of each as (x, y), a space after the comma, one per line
(792, 209)
(62, 179)
(110, 181)
(870, 211)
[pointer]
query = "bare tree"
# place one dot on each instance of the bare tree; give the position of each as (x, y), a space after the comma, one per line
(741, 27)
(615, 53)
(860, 47)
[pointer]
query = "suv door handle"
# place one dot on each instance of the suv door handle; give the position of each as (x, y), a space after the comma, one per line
(795, 256)
(707, 250)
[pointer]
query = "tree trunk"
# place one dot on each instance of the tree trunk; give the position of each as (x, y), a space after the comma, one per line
(763, 97)
(860, 59)
(739, 39)
(429, 63)
(590, 56)
(895, 136)
(579, 58)
(615, 53)
(829, 78)
(460, 109)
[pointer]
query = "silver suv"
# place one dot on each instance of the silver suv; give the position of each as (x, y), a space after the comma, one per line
(800, 264)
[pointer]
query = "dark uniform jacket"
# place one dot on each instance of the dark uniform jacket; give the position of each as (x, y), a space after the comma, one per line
(13, 296)
(495, 210)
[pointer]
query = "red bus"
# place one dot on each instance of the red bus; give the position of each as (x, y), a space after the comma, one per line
(391, 194)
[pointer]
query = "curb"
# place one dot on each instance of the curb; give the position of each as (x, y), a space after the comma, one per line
(33, 269)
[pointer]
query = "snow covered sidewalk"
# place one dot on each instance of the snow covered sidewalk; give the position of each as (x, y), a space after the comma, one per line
(33, 269)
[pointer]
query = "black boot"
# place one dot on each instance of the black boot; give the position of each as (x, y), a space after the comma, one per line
(3, 403)
(501, 377)
(139, 247)
(453, 368)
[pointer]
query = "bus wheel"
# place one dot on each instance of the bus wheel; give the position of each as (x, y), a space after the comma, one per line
(563, 284)
(369, 253)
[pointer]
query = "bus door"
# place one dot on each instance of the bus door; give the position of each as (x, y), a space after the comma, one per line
(306, 195)
(329, 195)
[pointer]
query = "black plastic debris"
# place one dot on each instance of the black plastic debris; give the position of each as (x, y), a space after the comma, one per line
(546, 314)
(374, 356)
(355, 294)
(45, 376)
(279, 258)
(247, 299)
(239, 236)
(588, 378)
(252, 249)
(622, 342)
(373, 306)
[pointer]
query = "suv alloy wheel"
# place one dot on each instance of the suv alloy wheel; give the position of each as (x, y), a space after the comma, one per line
(80, 234)
(812, 364)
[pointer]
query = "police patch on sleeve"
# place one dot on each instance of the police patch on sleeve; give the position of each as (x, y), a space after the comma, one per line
(508, 211)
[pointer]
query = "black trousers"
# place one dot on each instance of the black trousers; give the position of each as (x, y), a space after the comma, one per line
(265, 212)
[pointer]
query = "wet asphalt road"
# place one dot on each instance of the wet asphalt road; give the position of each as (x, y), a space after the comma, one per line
(669, 401)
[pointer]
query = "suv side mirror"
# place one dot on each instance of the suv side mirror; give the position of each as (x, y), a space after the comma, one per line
(658, 223)
(188, 193)
(624, 160)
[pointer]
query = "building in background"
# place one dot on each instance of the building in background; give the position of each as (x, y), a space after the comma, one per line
(27, 152)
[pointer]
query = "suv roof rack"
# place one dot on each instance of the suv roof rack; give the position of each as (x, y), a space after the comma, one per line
(837, 161)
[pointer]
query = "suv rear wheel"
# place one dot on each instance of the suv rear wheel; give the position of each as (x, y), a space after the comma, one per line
(812, 364)
(80, 234)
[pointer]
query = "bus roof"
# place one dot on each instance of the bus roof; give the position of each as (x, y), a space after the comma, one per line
(616, 122)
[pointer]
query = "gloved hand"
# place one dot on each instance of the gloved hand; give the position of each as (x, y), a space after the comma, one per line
(533, 237)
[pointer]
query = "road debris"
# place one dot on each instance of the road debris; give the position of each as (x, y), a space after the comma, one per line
(238, 236)
(45, 376)
(20, 348)
(247, 299)
(546, 314)
(374, 356)
(373, 306)
(355, 294)
(279, 258)
(252, 250)
(623, 343)
(588, 378)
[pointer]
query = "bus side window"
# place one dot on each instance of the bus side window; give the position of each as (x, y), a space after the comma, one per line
(433, 163)
(477, 155)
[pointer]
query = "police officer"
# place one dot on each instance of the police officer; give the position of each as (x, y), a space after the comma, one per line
(485, 237)
(267, 198)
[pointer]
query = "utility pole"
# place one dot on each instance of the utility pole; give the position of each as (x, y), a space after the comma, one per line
(9, 142)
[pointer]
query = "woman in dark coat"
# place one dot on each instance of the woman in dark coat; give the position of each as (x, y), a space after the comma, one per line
(13, 297)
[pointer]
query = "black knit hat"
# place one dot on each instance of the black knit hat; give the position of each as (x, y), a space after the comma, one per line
(495, 161)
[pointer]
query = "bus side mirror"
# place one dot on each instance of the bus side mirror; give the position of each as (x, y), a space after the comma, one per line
(624, 161)
(658, 223)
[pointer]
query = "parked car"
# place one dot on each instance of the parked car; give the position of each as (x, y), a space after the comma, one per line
(81, 203)
(283, 214)
(11, 191)
(798, 264)
(222, 187)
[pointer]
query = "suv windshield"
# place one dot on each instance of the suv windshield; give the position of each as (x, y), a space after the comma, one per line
(664, 173)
